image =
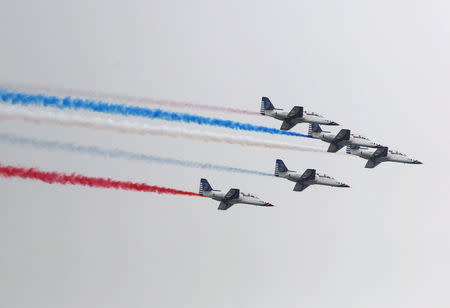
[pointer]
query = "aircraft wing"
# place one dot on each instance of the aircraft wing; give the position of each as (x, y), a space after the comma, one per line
(224, 206)
(296, 112)
(371, 164)
(333, 148)
(308, 175)
(344, 134)
(335, 145)
(380, 152)
(287, 125)
(300, 186)
(231, 194)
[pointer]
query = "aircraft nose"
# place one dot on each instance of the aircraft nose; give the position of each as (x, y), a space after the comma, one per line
(379, 145)
(417, 162)
(269, 204)
(345, 185)
(334, 123)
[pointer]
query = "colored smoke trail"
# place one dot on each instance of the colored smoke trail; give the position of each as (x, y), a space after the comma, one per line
(125, 98)
(97, 151)
(17, 98)
(77, 179)
(14, 113)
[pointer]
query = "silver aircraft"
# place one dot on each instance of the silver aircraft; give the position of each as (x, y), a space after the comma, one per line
(375, 157)
(309, 177)
(341, 139)
(293, 117)
(229, 198)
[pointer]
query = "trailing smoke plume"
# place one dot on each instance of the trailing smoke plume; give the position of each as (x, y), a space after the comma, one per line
(126, 99)
(63, 119)
(24, 99)
(77, 179)
(114, 153)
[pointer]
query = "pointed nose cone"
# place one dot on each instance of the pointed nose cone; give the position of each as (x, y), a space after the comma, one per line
(345, 185)
(417, 162)
(379, 145)
(269, 204)
(334, 123)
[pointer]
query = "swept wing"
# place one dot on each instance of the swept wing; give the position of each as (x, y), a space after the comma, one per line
(308, 175)
(335, 145)
(288, 123)
(230, 195)
(380, 152)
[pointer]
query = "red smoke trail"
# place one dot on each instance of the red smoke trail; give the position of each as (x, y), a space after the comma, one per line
(77, 179)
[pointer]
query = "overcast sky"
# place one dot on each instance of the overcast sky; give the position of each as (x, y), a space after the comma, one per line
(381, 68)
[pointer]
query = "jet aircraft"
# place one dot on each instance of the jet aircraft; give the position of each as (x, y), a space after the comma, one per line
(341, 139)
(303, 180)
(375, 157)
(293, 117)
(230, 198)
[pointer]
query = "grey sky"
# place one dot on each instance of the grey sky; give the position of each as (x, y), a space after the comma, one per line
(380, 68)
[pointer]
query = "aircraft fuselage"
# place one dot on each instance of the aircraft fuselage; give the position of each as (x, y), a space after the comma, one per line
(353, 140)
(306, 118)
(243, 198)
(318, 180)
(393, 157)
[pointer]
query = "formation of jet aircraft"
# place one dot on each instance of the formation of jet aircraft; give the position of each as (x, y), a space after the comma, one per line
(356, 145)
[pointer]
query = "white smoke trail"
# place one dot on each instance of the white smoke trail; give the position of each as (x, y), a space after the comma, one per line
(68, 119)
(122, 98)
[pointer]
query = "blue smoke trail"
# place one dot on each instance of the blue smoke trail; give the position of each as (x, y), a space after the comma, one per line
(17, 98)
(92, 150)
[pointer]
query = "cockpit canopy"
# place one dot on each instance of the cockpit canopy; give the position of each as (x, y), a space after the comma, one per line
(323, 175)
(396, 152)
(312, 114)
(249, 195)
(360, 137)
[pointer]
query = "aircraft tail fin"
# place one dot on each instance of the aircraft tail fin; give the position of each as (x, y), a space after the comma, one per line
(266, 104)
(314, 128)
(280, 167)
(351, 147)
(204, 186)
